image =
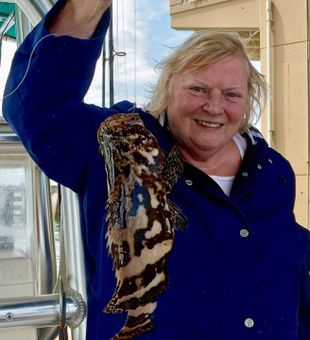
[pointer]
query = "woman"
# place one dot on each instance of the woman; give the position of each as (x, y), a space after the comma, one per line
(209, 96)
(240, 268)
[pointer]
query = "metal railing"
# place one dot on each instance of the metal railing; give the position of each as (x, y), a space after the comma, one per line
(43, 311)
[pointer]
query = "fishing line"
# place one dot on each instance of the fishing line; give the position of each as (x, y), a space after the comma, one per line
(124, 48)
(120, 38)
(135, 52)
(116, 74)
(120, 71)
(39, 42)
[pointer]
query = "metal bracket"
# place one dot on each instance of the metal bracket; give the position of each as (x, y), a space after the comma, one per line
(62, 309)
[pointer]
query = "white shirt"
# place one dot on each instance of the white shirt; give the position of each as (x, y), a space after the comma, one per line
(226, 182)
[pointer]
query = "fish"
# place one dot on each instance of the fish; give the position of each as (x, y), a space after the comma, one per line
(141, 220)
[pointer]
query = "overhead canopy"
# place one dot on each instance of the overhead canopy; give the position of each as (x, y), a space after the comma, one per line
(7, 20)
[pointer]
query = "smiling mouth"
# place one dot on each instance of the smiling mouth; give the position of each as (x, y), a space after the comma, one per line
(208, 124)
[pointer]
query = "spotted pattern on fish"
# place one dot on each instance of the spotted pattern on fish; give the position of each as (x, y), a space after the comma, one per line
(141, 220)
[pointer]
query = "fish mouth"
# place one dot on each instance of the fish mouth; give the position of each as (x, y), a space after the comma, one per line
(208, 124)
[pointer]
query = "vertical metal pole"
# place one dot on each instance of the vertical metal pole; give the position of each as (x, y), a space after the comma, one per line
(23, 25)
(47, 258)
(104, 62)
(47, 267)
(74, 250)
(111, 59)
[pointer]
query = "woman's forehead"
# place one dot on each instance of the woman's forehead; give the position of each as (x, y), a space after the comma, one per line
(231, 72)
(236, 62)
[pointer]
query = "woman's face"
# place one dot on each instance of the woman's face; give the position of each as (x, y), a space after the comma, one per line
(206, 108)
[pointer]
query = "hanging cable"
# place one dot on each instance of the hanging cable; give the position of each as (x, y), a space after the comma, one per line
(114, 52)
(111, 57)
(116, 46)
(124, 49)
(135, 52)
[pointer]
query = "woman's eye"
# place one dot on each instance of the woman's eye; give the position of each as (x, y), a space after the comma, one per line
(197, 89)
(233, 95)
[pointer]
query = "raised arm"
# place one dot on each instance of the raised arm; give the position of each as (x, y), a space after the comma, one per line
(49, 78)
(79, 18)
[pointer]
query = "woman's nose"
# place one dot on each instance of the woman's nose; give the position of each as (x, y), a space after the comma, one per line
(213, 104)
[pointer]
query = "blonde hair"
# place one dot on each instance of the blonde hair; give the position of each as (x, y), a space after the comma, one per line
(201, 50)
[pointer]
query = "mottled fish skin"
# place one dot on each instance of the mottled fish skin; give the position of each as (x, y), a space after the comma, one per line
(140, 218)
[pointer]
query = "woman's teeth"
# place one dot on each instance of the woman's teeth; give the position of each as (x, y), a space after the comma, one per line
(208, 124)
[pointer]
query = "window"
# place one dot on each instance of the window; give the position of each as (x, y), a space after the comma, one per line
(16, 221)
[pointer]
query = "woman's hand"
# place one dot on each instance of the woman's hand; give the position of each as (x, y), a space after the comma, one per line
(79, 18)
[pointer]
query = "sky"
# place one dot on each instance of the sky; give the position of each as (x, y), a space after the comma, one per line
(142, 29)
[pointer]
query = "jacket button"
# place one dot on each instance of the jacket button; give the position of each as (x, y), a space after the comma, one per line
(249, 323)
(189, 182)
(244, 233)
(259, 166)
(245, 174)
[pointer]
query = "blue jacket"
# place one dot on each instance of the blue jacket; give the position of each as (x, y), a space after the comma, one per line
(241, 268)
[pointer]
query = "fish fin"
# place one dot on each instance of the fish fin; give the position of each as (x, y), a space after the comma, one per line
(139, 321)
(135, 326)
(177, 218)
(172, 169)
(112, 306)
